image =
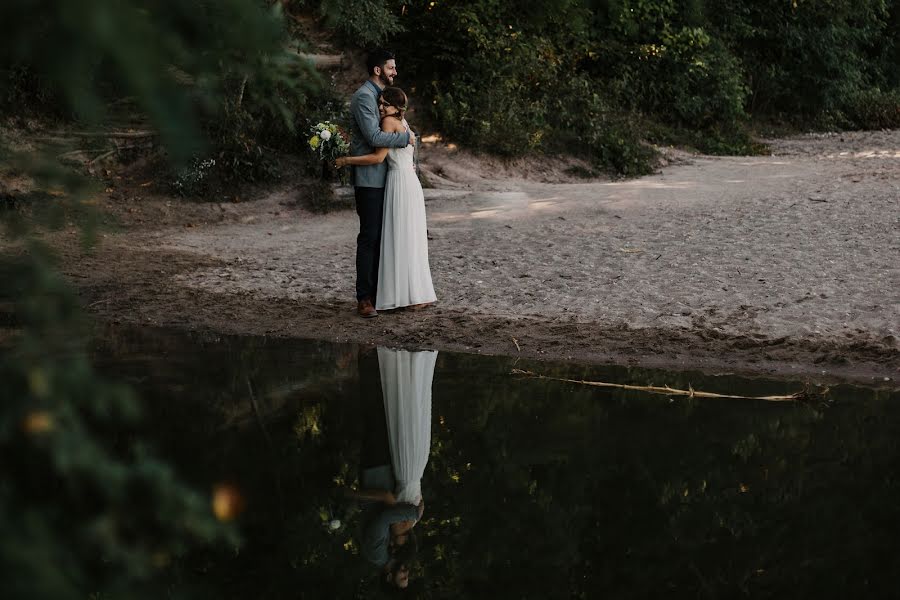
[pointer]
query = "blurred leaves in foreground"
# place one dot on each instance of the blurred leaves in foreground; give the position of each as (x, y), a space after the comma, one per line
(204, 77)
(86, 510)
(84, 506)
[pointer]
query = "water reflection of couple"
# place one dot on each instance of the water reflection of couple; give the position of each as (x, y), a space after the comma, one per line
(395, 447)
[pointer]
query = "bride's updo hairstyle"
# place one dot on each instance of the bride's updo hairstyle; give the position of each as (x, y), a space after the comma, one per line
(394, 96)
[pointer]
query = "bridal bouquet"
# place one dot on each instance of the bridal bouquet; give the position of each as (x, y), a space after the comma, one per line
(329, 141)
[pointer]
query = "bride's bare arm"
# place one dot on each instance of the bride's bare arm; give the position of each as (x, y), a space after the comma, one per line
(378, 495)
(388, 125)
(366, 159)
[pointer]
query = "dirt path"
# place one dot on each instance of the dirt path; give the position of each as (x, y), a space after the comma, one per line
(787, 264)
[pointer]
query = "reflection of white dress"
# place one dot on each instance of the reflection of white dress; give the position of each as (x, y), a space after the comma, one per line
(406, 384)
(404, 276)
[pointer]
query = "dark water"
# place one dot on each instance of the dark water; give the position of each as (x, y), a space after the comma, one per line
(533, 488)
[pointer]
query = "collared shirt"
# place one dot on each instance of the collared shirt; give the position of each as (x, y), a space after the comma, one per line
(378, 90)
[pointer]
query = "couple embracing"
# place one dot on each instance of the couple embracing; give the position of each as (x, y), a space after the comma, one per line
(392, 269)
(395, 398)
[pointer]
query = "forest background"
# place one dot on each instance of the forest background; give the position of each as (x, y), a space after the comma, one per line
(594, 78)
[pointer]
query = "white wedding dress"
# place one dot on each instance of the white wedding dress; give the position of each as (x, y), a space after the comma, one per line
(406, 384)
(404, 276)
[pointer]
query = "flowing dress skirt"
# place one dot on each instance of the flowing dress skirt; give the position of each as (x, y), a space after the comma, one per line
(404, 275)
(406, 379)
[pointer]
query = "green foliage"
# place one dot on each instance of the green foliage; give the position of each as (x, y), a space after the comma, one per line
(801, 57)
(480, 75)
(506, 79)
(24, 93)
(701, 82)
(713, 140)
(658, 61)
(84, 508)
(873, 109)
(215, 79)
(498, 76)
(492, 73)
(256, 118)
(887, 49)
(150, 50)
(192, 179)
(571, 76)
(366, 24)
(584, 123)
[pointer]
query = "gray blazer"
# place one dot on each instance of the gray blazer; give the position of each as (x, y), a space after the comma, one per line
(366, 135)
(378, 517)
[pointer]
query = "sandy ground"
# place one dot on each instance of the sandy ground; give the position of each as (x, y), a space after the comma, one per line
(786, 264)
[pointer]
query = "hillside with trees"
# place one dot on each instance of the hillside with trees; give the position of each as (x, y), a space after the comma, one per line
(603, 80)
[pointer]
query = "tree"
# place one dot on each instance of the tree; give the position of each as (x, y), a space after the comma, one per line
(85, 508)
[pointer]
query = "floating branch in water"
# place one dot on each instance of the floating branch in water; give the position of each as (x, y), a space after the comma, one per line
(806, 395)
(103, 134)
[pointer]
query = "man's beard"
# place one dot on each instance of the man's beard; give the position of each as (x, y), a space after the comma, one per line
(385, 80)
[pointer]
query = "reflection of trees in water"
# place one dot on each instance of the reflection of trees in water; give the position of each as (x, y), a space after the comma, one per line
(202, 417)
(538, 488)
(630, 494)
(285, 381)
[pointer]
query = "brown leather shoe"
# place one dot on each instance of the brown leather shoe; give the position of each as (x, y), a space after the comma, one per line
(366, 310)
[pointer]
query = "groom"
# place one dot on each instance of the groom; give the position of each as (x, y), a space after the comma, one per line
(368, 181)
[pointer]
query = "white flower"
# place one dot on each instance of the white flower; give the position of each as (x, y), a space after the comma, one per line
(334, 524)
(325, 135)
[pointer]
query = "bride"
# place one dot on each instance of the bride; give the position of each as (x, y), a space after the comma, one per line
(404, 276)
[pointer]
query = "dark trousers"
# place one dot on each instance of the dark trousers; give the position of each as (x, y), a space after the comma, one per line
(369, 207)
(376, 448)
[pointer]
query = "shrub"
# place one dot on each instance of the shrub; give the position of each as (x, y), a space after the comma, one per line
(25, 91)
(585, 123)
(658, 58)
(488, 82)
(213, 78)
(362, 22)
(191, 180)
(505, 78)
(800, 57)
(873, 109)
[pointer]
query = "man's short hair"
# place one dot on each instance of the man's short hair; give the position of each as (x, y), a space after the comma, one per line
(377, 58)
